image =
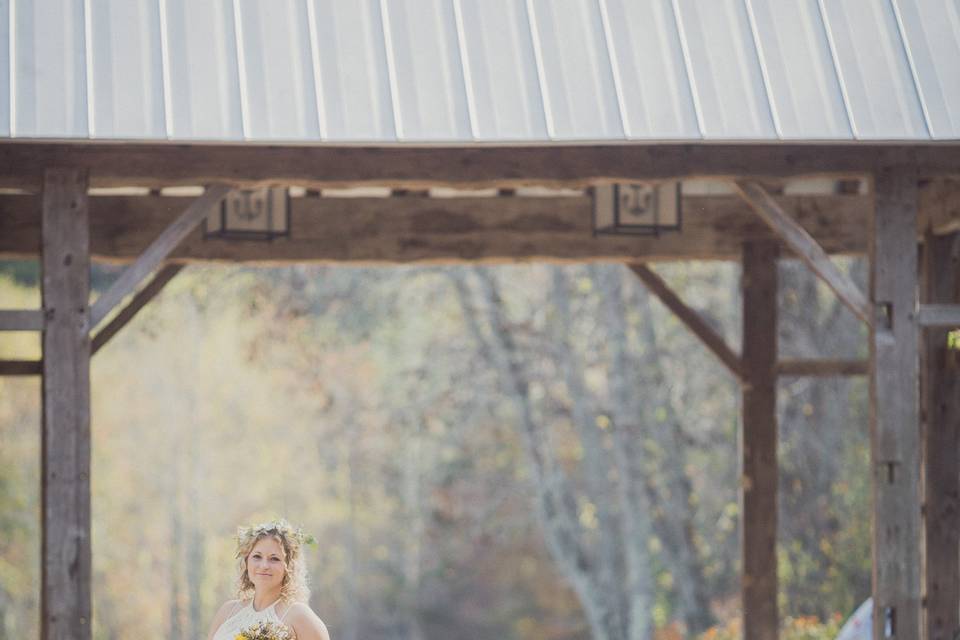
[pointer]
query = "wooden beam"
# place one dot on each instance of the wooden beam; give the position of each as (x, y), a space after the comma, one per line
(21, 368)
(940, 206)
(65, 437)
(806, 248)
(21, 320)
(445, 230)
(894, 414)
(789, 367)
(939, 315)
(139, 300)
(156, 253)
(758, 443)
(694, 322)
(941, 444)
(412, 167)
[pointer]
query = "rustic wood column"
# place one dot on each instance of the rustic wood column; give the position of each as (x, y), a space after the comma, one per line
(65, 440)
(894, 407)
(758, 442)
(941, 404)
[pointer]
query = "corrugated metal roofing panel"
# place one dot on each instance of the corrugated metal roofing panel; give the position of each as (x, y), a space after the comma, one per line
(501, 68)
(49, 83)
(874, 71)
(127, 70)
(581, 97)
(427, 73)
(4, 68)
(799, 72)
(648, 64)
(202, 92)
(480, 70)
(276, 70)
(728, 83)
(931, 31)
(354, 84)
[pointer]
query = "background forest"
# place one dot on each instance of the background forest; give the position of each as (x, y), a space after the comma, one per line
(517, 452)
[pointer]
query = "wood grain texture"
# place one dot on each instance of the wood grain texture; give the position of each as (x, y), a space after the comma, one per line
(894, 404)
(446, 230)
(65, 439)
(806, 248)
(758, 443)
(156, 252)
(691, 318)
(941, 444)
(940, 206)
(406, 166)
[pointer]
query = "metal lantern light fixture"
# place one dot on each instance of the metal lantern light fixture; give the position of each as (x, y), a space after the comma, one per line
(641, 208)
(251, 214)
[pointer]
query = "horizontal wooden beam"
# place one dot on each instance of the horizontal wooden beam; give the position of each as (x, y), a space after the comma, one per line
(21, 320)
(444, 230)
(939, 315)
(156, 252)
(806, 248)
(792, 367)
(404, 166)
(692, 319)
(138, 301)
(21, 367)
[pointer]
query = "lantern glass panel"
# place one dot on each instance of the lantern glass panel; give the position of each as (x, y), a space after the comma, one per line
(636, 208)
(251, 213)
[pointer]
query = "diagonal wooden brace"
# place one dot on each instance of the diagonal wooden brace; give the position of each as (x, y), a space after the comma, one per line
(156, 253)
(690, 318)
(806, 248)
(139, 300)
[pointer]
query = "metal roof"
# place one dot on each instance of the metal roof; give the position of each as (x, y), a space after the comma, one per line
(464, 71)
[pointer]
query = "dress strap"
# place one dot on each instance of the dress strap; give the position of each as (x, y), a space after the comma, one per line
(286, 611)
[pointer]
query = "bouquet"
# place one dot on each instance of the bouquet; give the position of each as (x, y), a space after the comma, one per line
(266, 631)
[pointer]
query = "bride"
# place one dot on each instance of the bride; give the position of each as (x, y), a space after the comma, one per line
(272, 585)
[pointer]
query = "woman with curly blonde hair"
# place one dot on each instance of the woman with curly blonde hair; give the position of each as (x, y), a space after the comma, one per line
(271, 585)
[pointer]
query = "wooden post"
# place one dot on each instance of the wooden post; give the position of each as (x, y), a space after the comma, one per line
(894, 410)
(65, 440)
(759, 442)
(941, 403)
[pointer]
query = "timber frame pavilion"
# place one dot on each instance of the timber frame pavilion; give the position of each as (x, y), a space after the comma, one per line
(414, 95)
(913, 200)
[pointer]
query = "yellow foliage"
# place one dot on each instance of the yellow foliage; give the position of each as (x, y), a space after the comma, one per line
(791, 628)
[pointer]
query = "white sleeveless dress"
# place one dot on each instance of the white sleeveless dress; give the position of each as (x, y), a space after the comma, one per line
(243, 616)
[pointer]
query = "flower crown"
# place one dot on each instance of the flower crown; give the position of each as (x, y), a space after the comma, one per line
(295, 535)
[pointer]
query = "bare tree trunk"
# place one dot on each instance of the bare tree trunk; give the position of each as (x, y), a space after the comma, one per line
(413, 534)
(676, 523)
(628, 433)
(195, 550)
(175, 555)
(352, 616)
(556, 504)
(601, 489)
(5, 605)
